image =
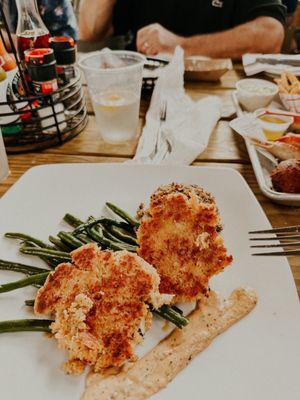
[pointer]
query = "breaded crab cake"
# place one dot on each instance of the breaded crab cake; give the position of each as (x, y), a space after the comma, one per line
(100, 305)
(179, 235)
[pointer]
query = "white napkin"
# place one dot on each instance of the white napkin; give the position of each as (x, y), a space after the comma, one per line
(188, 124)
(248, 127)
(252, 67)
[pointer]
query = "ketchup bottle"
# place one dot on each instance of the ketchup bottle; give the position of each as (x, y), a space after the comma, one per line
(31, 30)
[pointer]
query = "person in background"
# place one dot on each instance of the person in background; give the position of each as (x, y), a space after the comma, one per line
(58, 16)
(291, 6)
(215, 28)
(291, 42)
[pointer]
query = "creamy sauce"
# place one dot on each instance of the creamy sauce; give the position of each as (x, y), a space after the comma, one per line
(271, 119)
(144, 378)
(257, 88)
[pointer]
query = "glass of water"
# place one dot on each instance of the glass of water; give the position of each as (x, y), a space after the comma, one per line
(4, 170)
(114, 79)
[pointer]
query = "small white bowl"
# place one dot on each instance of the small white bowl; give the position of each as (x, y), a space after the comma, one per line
(255, 93)
(272, 130)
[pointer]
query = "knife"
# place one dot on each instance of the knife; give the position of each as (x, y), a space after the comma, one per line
(273, 61)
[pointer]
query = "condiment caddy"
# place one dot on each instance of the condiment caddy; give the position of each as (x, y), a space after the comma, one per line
(42, 104)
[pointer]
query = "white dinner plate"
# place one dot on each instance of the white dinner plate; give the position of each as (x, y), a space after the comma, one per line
(256, 359)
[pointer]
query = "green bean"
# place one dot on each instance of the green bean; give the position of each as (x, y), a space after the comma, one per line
(119, 224)
(29, 303)
(70, 240)
(34, 241)
(109, 236)
(123, 214)
(87, 225)
(83, 227)
(22, 268)
(59, 244)
(107, 243)
(76, 222)
(31, 280)
(23, 325)
(166, 312)
(53, 254)
(117, 233)
(177, 309)
(72, 220)
(50, 262)
(84, 238)
(27, 238)
(94, 232)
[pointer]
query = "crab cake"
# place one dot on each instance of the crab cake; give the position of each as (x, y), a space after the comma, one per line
(179, 235)
(100, 305)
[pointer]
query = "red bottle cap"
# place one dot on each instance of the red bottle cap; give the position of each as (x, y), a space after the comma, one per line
(39, 56)
(64, 49)
(41, 64)
(61, 42)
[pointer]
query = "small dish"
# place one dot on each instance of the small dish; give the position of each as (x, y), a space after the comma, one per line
(274, 126)
(255, 93)
(205, 69)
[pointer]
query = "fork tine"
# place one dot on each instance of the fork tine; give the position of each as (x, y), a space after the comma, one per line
(278, 237)
(280, 253)
(290, 244)
(295, 228)
(163, 111)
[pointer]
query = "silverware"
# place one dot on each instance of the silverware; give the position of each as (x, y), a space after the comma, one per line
(278, 237)
(286, 236)
(272, 61)
(287, 253)
(162, 118)
(161, 147)
(295, 228)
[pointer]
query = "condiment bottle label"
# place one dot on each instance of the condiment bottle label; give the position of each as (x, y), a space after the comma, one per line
(45, 87)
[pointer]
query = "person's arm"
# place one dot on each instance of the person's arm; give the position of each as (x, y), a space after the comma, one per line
(95, 19)
(262, 35)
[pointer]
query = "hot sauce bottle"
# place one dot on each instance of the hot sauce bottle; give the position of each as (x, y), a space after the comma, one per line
(64, 48)
(41, 67)
(31, 30)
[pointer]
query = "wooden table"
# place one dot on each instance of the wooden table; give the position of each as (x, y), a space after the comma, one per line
(224, 149)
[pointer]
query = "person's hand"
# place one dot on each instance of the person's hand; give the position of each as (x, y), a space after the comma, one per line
(154, 39)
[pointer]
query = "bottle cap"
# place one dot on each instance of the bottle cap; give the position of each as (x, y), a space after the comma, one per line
(64, 49)
(39, 56)
(41, 64)
(11, 130)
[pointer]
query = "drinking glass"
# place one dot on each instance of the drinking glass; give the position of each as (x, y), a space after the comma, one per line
(4, 170)
(115, 90)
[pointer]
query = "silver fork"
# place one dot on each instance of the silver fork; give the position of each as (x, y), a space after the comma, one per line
(287, 236)
(162, 118)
